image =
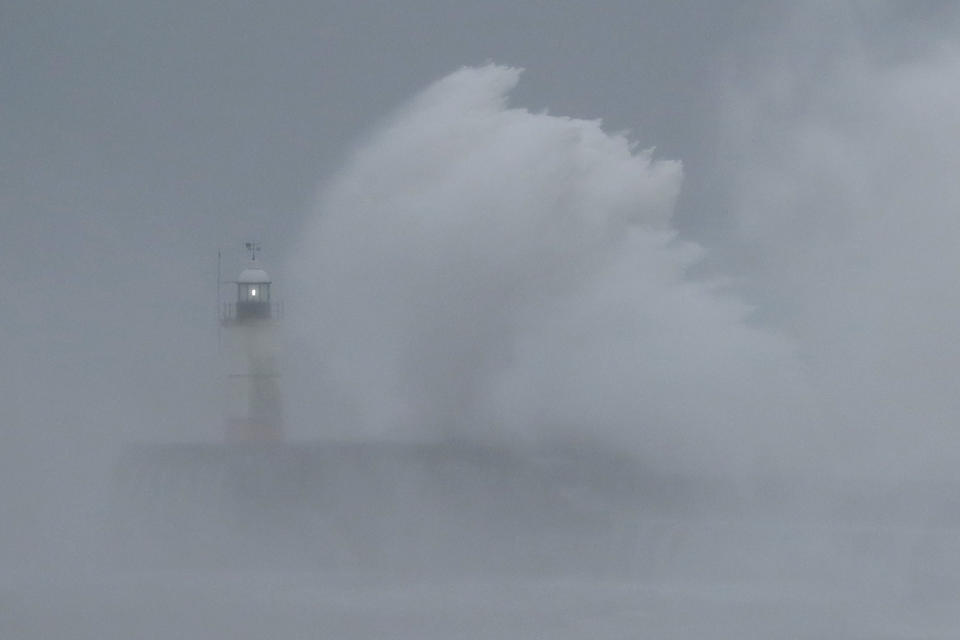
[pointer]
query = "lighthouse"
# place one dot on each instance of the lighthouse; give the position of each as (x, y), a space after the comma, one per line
(250, 355)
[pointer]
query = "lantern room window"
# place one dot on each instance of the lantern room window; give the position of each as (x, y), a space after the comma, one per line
(258, 292)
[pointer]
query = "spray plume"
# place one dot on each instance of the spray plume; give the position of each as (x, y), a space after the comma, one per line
(478, 270)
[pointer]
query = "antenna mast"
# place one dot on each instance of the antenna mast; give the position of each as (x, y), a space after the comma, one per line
(219, 306)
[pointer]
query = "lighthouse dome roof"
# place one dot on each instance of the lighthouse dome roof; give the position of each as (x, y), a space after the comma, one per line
(253, 275)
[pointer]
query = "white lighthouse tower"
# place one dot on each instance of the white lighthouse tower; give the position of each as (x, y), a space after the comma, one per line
(250, 353)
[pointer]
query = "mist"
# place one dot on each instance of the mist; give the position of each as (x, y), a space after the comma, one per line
(653, 336)
(849, 204)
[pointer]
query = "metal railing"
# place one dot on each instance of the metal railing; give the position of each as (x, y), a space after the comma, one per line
(233, 312)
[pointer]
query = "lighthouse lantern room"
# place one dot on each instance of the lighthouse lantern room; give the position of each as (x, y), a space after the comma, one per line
(253, 294)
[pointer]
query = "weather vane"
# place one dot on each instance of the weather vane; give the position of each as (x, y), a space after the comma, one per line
(252, 247)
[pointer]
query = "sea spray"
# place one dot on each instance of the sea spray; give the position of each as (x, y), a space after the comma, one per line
(477, 270)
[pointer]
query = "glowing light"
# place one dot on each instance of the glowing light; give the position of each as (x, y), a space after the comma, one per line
(253, 292)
